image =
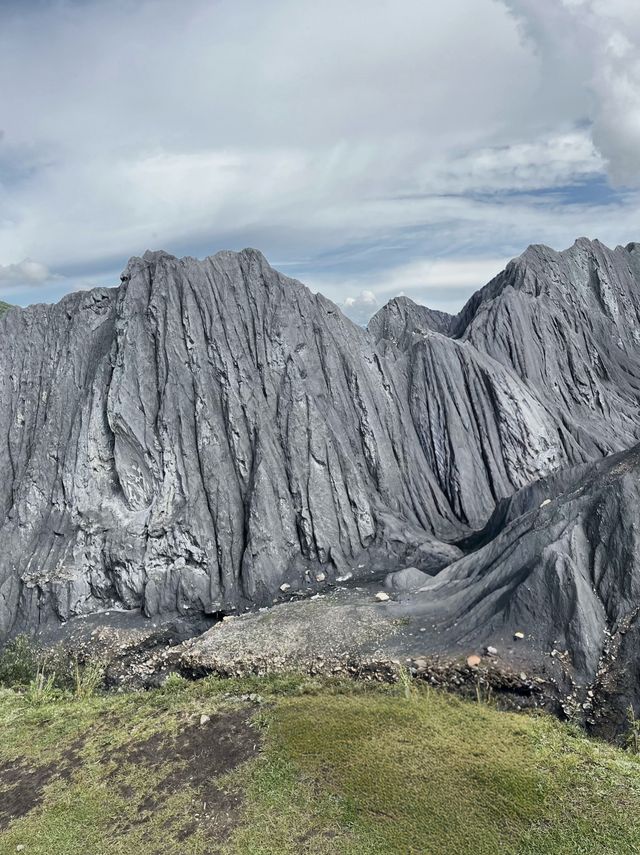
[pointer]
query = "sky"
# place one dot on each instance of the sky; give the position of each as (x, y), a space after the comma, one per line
(369, 148)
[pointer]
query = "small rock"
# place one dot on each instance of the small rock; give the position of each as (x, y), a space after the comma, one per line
(344, 578)
(409, 579)
(473, 661)
(491, 651)
(381, 597)
(523, 676)
(285, 586)
(546, 502)
(19, 847)
(518, 635)
(204, 718)
(320, 577)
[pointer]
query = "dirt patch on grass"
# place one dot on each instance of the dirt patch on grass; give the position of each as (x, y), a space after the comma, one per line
(21, 788)
(200, 751)
(22, 784)
(195, 758)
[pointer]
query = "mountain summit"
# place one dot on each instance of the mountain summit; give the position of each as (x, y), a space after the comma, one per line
(210, 431)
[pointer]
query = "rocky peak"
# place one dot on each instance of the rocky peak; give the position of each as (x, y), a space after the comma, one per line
(212, 430)
(401, 319)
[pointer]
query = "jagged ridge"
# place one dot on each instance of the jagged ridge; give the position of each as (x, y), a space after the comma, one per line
(558, 562)
(211, 429)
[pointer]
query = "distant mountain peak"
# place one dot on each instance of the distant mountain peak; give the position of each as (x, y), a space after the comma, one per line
(401, 319)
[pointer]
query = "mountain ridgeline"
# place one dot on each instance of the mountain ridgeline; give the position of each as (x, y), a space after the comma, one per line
(211, 430)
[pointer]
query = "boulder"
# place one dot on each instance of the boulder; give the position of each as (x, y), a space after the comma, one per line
(409, 579)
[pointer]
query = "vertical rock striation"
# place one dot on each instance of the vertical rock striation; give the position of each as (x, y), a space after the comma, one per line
(211, 429)
(194, 439)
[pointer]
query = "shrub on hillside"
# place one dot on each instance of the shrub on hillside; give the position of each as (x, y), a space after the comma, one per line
(19, 662)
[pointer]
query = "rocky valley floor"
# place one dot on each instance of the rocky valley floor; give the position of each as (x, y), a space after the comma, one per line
(288, 764)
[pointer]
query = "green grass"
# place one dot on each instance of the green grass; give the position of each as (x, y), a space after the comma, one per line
(4, 307)
(344, 768)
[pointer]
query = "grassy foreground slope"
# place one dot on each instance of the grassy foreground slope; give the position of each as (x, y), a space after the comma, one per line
(306, 767)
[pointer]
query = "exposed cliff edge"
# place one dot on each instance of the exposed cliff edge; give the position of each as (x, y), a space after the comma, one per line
(211, 430)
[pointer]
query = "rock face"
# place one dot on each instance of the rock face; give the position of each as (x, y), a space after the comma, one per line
(562, 574)
(196, 438)
(568, 323)
(540, 370)
(211, 430)
(409, 579)
(401, 321)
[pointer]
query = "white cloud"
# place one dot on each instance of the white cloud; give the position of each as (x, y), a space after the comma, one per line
(361, 135)
(237, 118)
(547, 161)
(439, 283)
(361, 307)
(26, 272)
(599, 40)
(441, 273)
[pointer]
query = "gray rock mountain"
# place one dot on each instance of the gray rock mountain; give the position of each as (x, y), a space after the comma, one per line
(568, 323)
(401, 321)
(194, 439)
(558, 562)
(210, 430)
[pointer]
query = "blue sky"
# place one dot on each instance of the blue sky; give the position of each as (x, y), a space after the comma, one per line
(369, 149)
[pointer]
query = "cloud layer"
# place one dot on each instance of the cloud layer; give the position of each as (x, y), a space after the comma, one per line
(364, 147)
(595, 46)
(26, 272)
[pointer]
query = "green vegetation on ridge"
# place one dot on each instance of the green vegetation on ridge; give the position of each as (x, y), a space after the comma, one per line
(291, 765)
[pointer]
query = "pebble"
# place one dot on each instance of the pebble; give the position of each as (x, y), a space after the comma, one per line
(320, 577)
(473, 661)
(285, 586)
(491, 651)
(381, 597)
(518, 635)
(204, 718)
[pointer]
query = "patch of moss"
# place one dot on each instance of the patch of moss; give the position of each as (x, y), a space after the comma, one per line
(341, 768)
(432, 774)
